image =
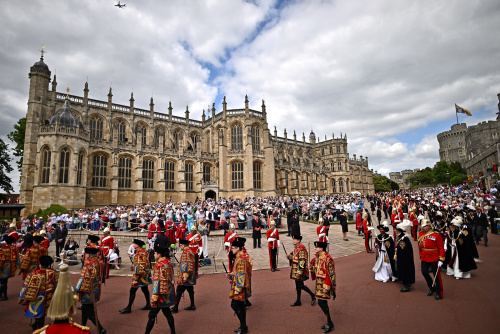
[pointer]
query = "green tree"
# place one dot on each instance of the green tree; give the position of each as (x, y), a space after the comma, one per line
(382, 184)
(456, 180)
(5, 168)
(17, 136)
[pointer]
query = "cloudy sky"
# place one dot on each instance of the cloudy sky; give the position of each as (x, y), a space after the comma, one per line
(387, 73)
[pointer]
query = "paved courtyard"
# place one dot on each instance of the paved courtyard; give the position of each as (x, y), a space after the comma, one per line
(260, 256)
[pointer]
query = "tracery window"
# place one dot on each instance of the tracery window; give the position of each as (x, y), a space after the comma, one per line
(99, 170)
(169, 175)
(96, 125)
(189, 176)
(125, 173)
(255, 134)
(64, 165)
(237, 137)
(257, 175)
(237, 175)
(148, 173)
(45, 170)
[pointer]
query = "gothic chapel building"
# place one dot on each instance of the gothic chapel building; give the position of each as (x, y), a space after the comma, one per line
(81, 152)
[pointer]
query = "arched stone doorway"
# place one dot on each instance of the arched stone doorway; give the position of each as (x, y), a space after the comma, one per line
(211, 194)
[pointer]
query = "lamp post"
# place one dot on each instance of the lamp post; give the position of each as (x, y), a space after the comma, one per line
(449, 180)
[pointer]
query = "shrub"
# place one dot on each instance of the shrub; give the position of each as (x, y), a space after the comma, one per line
(55, 208)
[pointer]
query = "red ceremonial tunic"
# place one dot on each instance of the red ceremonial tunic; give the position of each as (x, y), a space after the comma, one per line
(45, 243)
(323, 271)
(413, 218)
(366, 224)
(195, 242)
(14, 234)
(431, 246)
(272, 236)
(321, 231)
(63, 328)
(228, 239)
(107, 243)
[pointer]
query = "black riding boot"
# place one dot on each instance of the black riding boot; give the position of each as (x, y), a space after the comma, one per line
(145, 290)
(131, 299)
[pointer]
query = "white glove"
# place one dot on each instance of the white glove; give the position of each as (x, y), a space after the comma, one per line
(228, 244)
(278, 243)
(440, 263)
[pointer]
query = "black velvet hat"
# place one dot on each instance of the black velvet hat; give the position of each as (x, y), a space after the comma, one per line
(46, 261)
(321, 244)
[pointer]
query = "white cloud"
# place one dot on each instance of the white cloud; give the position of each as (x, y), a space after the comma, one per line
(374, 70)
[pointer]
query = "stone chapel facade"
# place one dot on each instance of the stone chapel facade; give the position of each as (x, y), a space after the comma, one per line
(81, 152)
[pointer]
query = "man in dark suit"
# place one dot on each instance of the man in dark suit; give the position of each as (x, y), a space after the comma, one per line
(60, 237)
(492, 214)
(256, 231)
(481, 227)
(295, 227)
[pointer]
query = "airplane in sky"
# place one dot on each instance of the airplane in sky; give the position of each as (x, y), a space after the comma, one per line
(120, 6)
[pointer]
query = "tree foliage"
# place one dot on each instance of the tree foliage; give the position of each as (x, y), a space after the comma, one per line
(5, 168)
(17, 136)
(442, 172)
(384, 184)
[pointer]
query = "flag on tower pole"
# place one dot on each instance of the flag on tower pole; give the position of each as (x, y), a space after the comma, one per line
(460, 110)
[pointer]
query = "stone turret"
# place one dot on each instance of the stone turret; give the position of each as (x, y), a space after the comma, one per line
(312, 137)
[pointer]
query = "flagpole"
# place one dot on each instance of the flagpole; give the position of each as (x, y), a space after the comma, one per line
(456, 113)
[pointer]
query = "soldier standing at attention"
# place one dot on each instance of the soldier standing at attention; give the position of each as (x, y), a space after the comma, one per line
(300, 269)
(141, 276)
(432, 255)
(186, 276)
(323, 271)
(273, 244)
(37, 291)
(107, 244)
(241, 286)
(163, 285)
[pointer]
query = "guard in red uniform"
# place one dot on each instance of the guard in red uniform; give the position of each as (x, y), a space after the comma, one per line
(107, 243)
(432, 255)
(196, 244)
(273, 244)
(186, 276)
(89, 284)
(414, 219)
(8, 264)
(62, 307)
(299, 269)
(163, 285)
(141, 277)
(367, 231)
(241, 283)
(322, 231)
(181, 231)
(230, 236)
(323, 271)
